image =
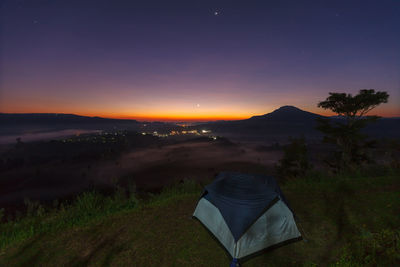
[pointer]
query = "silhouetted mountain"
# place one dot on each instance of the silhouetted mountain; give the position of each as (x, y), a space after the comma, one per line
(38, 118)
(44, 122)
(289, 121)
(11, 124)
(287, 113)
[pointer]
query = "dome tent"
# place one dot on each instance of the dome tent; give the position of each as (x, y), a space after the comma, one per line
(246, 213)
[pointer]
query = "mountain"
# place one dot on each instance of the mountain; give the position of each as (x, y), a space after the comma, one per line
(45, 122)
(38, 118)
(278, 125)
(287, 113)
(289, 121)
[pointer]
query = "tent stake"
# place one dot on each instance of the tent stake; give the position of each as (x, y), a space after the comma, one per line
(234, 263)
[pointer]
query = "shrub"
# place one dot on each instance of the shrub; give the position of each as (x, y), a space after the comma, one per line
(294, 162)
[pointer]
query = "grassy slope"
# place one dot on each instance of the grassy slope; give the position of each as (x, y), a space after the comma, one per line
(347, 220)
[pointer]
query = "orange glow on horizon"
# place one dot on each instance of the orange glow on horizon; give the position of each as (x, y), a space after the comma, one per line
(215, 116)
(157, 117)
(180, 117)
(186, 116)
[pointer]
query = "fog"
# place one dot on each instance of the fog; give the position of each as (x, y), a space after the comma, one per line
(151, 168)
(40, 136)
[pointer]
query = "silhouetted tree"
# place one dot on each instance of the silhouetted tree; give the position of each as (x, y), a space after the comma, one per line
(294, 162)
(346, 132)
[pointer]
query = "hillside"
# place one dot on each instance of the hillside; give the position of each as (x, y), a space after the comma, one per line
(349, 220)
(46, 122)
(289, 121)
(45, 118)
(11, 124)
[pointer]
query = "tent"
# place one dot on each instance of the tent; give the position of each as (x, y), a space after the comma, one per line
(246, 213)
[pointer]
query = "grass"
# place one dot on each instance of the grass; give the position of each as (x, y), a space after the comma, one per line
(88, 207)
(348, 220)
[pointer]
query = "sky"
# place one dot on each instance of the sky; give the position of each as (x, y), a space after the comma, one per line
(194, 60)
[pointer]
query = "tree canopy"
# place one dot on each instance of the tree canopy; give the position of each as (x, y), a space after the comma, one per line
(347, 134)
(354, 106)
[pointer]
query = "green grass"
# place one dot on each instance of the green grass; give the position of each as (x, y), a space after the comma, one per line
(348, 219)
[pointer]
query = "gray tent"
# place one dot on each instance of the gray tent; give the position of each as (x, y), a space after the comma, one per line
(246, 213)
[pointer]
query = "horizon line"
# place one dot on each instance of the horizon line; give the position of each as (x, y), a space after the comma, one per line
(172, 119)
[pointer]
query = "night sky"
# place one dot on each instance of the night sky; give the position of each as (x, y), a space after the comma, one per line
(194, 59)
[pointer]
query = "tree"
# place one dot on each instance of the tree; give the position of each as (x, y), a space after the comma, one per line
(346, 131)
(294, 162)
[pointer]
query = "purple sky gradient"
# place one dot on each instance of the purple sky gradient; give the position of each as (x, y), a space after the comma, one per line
(176, 59)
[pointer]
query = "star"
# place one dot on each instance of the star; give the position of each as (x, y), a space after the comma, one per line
(216, 13)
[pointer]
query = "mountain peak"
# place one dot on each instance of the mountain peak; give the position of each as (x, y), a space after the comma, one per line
(287, 109)
(288, 113)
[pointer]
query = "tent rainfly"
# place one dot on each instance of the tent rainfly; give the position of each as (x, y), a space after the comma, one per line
(246, 213)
